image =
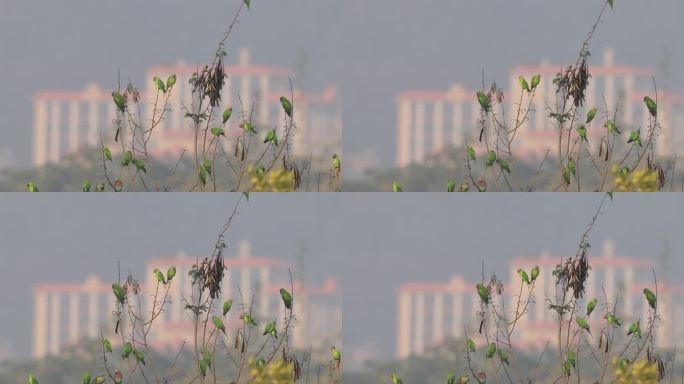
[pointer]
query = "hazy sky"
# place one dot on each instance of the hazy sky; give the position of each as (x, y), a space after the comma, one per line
(370, 242)
(371, 49)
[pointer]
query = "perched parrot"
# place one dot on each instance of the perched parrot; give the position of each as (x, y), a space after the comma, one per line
(491, 158)
(287, 298)
(523, 83)
(503, 163)
(218, 131)
(32, 379)
(218, 323)
(483, 99)
(85, 186)
(127, 157)
(203, 368)
(503, 355)
(590, 306)
(635, 329)
(247, 126)
(523, 276)
(160, 84)
(226, 114)
(119, 293)
(260, 171)
(572, 358)
(208, 357)
(247, 318)
(567, 368)
(140, 357)
(202, 174)
(260, 363)
(471, 345)
(271, 137)
(650, 297)
(170, 81)
(582, 323)
(119, 100)
(226, 306)
(590, 115)
(336, 356)
(582, 132)
(483, 292)
(160, 276)
(651, 105)
(170, 274)
(127, 349)
(107, 153)
(31, 187)
(451, 185)
(107, 345)
(140, 165)
(534, 273)
(624, 362)
(396, 187)
(491, 348)
(536, 79)
(612, 128)
(396, 379)
(270, 329)
(336, 163)
(451, 378)
(635, 137)
(87, 377)
(471, 154)
(610, 2)
(287, 105)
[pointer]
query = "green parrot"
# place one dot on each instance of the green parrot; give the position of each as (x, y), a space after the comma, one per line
(202, 174)
(651, 105)
(610, 2)
(127, 158)
(218, 323)
(31, 187)
(635, 329)
(140, 165)
(572, 358)
(87, 377)
(613, 320)
(260, 172)
(451, 185)
(483, 292)
(635, 137)
(567, 368)
(270, 329)
(260, 363)
(247, 318)
(160, 276)
(451, 378)
(590, 115)
(523, 276)
(160, 84)
(171, 81)
(650, 297)
(523, 83)
(207, 356)
(170, 274)
(471, 154)
(491, 158)
(207, 165)
(396, 187)
(271, 137)
(590, 306)
(287, 298)
(99, 187)
(534, 273)
(503, 356)
(582, 132)
(127, 349)
(218, 131)
(247, 3)
(491, 348)
(483, 99)
(140, 357)
(582, 323)
(106, 153)
(287, 105)
(471, 345)
(336, 163)
(85, 186)
(226, 114)
(624, 362)
(203, 368)
(536, 79)
(107, 345)
(247, 126)
(396, 379)
(32, 379)
(336, 356)
(503, 163)
(119, 293)
(226, 306)
(612, 128)
(119, 100)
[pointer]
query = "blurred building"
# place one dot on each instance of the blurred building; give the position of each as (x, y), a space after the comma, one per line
(430, 313)
(66, 314)
(430, 121)
(64, 121)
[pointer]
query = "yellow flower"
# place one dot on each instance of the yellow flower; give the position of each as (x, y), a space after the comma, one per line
(277, 372)
(641, 372)
(640, 180)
